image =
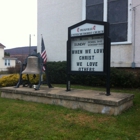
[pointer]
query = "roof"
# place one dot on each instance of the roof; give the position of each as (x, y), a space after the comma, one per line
(1, 45)
(10, 58)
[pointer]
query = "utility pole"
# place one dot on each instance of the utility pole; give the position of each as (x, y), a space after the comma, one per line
(29, 44)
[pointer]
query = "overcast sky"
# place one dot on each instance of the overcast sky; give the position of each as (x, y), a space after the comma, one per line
(18, 19)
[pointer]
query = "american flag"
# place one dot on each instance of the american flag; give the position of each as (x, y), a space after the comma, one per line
(43, 53)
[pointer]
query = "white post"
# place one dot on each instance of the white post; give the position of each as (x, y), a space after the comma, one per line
(105, 4)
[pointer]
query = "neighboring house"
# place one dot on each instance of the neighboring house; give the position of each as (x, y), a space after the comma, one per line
(5, 61)
(21, 53)
(55, 16)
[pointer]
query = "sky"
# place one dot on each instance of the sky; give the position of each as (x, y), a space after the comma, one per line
(18, 22)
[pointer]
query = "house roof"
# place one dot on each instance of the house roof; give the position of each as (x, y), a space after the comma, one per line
(10, 58)
(1, 45)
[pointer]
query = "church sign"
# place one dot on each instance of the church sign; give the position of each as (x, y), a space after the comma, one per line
(88, 48)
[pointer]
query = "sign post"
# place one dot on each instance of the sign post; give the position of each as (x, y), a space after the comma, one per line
(88, 50)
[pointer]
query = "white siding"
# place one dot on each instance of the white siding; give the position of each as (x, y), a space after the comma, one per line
(121, 56)
(2, 61)
(1, 52)
(12, 63)
(136, 33)
(54, 18)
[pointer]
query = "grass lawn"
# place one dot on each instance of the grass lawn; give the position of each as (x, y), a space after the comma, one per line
(21, 120)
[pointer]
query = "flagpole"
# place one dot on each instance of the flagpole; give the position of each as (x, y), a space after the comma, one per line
(41, 36)
(44, 56)
(41, 41)
(42, 73)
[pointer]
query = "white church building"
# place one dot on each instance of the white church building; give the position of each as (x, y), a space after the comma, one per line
(55, 16)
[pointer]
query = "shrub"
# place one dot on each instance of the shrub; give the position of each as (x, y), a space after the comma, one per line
(12, 79)
(58, 75)
(15, 69)
(118, 78)
(9, 80)
(122, 78)
(11, 70)
(57, 72)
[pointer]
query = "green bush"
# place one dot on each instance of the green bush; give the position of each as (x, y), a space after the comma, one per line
(122, 78)
(58, 75)
(57, 72)
(118, 78)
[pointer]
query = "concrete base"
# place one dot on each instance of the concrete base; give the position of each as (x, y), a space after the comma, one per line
(93, 101)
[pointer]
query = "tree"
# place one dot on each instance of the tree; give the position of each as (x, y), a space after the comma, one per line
(6, 54)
